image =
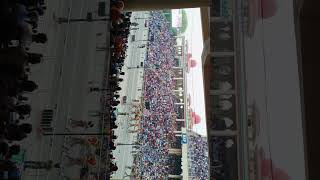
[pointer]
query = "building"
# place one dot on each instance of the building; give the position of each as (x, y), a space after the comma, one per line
(232, 123)
(229, 116)
(221, 86)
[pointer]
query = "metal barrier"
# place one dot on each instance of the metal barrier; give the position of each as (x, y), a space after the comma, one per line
(46, 120)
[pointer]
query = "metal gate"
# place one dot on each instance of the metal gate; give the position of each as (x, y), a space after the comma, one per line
(46, 120)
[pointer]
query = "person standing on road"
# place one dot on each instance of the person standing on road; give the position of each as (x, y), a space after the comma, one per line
(40, 165)
(91, 141)
(81, 124)
(9, 171)
(134, 24)
(82, 161)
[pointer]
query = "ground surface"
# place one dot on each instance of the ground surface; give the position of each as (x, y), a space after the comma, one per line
(70, 62)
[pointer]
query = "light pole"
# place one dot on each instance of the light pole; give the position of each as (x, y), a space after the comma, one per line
(89, 18)
(65, 20)
(134, 67)
(76, 134)
(99, 89)
(142, 40)
(128, 144)
(140, 18)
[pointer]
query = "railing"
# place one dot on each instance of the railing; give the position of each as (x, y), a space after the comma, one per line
(46, 120)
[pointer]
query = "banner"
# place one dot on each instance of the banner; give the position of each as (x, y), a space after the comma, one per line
(184, 139)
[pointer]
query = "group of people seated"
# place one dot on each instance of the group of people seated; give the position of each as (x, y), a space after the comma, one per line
(198, 157)
(222, 148)
(158, 123)
(20, 21)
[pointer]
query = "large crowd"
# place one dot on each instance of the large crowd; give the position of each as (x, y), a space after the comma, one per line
(198, 157)
(120, 24)
(158, 123)
(19, 19)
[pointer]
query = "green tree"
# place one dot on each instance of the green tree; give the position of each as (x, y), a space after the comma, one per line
(184, 25)
(184, 22)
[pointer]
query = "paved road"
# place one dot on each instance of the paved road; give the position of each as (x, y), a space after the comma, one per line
(133, 80)
(63, 78)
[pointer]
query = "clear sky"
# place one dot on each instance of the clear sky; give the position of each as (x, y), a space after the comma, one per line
(194, 79)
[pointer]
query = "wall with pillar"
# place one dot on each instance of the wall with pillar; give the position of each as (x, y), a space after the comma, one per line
(175, 151)
(174, 176)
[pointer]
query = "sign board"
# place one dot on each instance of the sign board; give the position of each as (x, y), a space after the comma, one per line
(184, 139)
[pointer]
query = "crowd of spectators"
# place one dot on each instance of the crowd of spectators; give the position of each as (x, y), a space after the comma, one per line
(19, 20)
(198, 157)
(120, 24)
(158, 123)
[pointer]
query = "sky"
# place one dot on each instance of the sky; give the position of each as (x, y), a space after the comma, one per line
(194, 79)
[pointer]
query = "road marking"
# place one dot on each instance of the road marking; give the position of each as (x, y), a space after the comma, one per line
(61, 80)
(42, 142)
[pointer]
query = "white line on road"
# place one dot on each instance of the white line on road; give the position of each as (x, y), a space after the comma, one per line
(42, 142)
(61, 80)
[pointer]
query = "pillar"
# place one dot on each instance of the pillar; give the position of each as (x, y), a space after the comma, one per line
(206, 51)
(147, 5)
(217, 19)
(223, 133)
(179, 103)
(177, 78)
(222, 92)
(222, 54)
(178, 37)
(174, 176)
(175, 151)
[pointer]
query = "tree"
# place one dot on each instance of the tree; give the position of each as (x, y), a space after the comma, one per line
(168, 16)
(184, 22)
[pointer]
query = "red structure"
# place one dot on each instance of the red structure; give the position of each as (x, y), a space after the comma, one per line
(191, 62)
(269, 170)
(196, 119)
(268, 8)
